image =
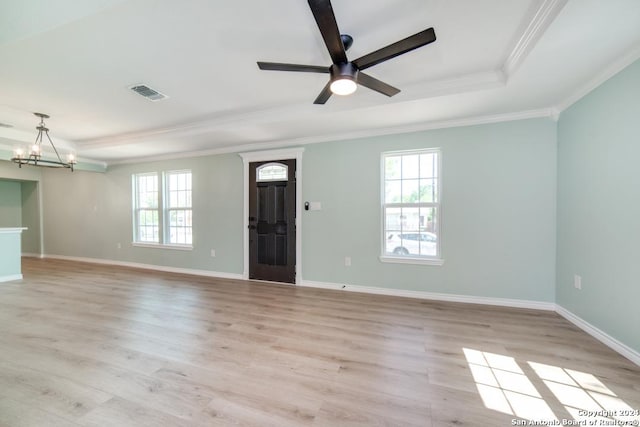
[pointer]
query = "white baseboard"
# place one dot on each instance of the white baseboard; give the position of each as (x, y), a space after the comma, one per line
(10, 278)
(32, 255)
(504, 302)
(601, 336)
(191, 271)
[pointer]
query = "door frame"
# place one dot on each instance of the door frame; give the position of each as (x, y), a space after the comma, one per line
(266, 156)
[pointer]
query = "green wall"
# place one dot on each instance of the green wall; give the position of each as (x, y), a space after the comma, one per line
(20, 203)
(30, 217)
(498, 204)
(599, 207)
(10, 204)
(96, 215)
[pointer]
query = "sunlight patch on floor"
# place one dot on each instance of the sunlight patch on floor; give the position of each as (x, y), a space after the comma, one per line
(504, 387)
(584, 396)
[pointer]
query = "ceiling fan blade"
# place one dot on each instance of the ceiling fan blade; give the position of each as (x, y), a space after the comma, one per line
(374, 84)
(324, 95)
(326, 20)
(277, 66)
(395, 49)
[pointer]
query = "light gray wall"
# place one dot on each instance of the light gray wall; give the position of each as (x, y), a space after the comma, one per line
(30, 217)
(498, 203)
(498, 223)
(27, 211)
(599, 207)
(10, 204)
(96, 214)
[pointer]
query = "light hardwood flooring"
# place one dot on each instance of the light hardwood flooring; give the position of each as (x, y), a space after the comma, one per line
(92, 345)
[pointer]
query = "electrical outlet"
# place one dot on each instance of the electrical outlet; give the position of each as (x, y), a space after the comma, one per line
(577, 282)
(347, 261)
(213, 253)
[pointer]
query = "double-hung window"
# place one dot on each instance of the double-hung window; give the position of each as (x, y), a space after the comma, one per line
(163, 208)
(411, 206)
(178, 207)
(147, 213)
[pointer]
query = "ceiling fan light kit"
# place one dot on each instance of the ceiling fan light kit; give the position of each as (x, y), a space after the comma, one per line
(345, 75)
(343, 79)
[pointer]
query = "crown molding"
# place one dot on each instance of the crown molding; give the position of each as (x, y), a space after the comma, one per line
(462, 84)
(368, 133)
(535, 28)
(614, 68)
(267, 155)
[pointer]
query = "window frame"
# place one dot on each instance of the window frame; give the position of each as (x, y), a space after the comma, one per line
(163, 211)
(167, 209)
(436, 259)
(137, 209)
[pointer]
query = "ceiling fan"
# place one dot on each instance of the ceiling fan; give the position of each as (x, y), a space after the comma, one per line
(345, 75)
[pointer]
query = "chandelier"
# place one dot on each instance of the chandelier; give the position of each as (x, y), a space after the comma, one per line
(33, 155)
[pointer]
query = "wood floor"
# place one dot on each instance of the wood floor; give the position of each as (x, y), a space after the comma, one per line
(91, 345)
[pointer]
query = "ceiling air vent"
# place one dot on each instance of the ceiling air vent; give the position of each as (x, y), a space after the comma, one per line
(148, 93)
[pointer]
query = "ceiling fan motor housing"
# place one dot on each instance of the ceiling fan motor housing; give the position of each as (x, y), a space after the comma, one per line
(344, 70)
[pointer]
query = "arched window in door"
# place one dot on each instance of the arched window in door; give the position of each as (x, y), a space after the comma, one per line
(272, 172)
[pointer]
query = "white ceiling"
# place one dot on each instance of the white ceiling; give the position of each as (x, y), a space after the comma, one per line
(493, 60)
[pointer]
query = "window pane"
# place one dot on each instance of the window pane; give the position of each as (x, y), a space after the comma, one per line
(147, 188)
(410, 166)
(392, 167)
(392, 219)
(428, 190)
(410, 191)
(392, 192)
(148, 227)
(179, 190)
(429, 219)
(272, 172)
(180, 227)
(410, 218)
(428, 165)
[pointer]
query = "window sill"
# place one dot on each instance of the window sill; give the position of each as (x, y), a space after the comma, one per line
(162, 246)
(410, 260)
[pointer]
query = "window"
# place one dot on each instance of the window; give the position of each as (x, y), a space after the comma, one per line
(178, 207)
(272, 172)
(162, 208)
(411, 206)
(146, 216)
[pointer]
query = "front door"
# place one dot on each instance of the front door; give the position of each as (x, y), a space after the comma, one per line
(272, 221)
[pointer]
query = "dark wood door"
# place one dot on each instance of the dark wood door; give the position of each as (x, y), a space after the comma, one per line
(272, 221)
